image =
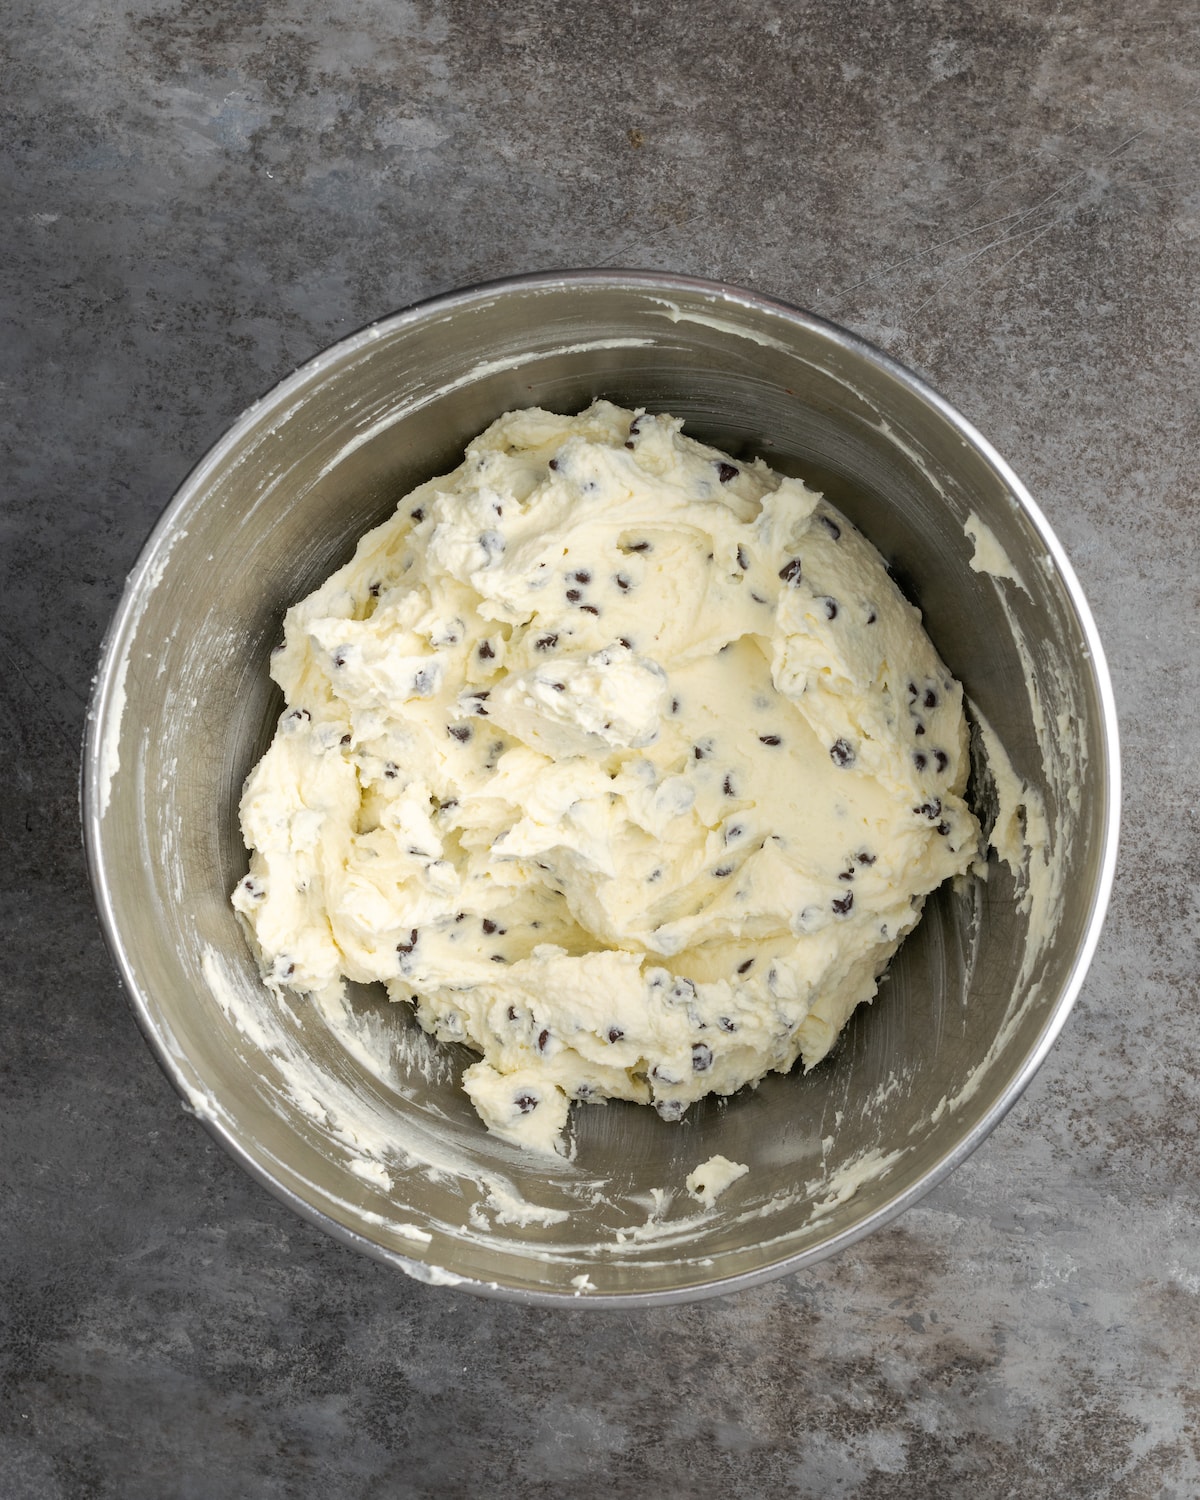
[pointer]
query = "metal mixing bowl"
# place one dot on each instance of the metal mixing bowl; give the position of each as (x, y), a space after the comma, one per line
(355, 1118)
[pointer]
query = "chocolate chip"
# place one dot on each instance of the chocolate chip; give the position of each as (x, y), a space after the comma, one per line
(758, 598)
(940, 759)
(418, 515)
(559, 687)
(589, 609)
(554, 463)
(831, 526)
(459, 732)
(391, 770)
(410, 945)
(486, 650)
(790, 572)
(722, 871)
(943, 829)
(831, 608)
(546, 642)
(512, 1012)
(583, 576)
(931, 809)
(703, 749)
(770, 739)
(622, 582)
(871, 617)
(727, 787)
(669, 1109)
(674, 705)
(574, 596)
(615, 1034)
(543, 1038)
(930, 700)
(866, 859)
(846, 874)
(919, 728)
(743, 561)
(638, 547)
(525, 1103)
(843, 903)
(726, 472)
(734, 831)
(701, 1057)
(298, 715)
(745, 966)
(373, 590)
(841, 753)
(345, 739)
(623, 640)
(489, 926)
(920, 759)
(726, 1024)
(339, 659)
(423, 683)
(499, 958)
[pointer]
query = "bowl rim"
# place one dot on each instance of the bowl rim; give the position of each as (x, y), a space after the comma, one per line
(107, 698)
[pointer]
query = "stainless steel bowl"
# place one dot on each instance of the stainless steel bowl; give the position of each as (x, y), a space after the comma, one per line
(355, 1119)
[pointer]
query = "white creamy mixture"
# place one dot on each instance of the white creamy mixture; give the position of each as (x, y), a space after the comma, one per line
(626, 764)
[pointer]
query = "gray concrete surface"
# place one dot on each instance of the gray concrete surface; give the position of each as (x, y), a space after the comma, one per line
(196, 197)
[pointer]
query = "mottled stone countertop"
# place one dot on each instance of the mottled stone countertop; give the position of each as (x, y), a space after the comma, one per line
(196, 198)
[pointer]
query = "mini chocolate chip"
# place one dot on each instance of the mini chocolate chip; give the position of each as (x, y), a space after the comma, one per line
(727, 786)
(543, 1038)
(843, 903)
(931, 809)
(912, 690)
(448, 804)
(628, 444)
(459, 916)
(846, 874)
(770, 739)
(943, 829)
(669, 1109)
(703, 749)
(638, 547)
(726, 472)
(574, 596)
(459, 732)
(653, 876)
(298, 715)
(866, 859)
(831, 608)
(499, 958)
(701, 1057)
(615, 1034)
(745, 966)
(623, 640)
(339, 659)
(621, 582)
(486, 650)
(391, 770)
(940, 759)
(559, 687)
(722, 871)
(525, 1103)
(743, 561)
(831, 526)
(758, 598)
(930, 700)
(554, 463)
(841, 753)
(410, 945)
(589, 609)
(920, 759)
(489, 926)
(791, 572)
(512, 1012)
(726, 1024)
(373, 590)
(871, 617)
(345, 739)
(418, 515)
(583, 576)
(734, 831)
(919, 728)
(289, 971)
(674, 705)
(546, 642)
